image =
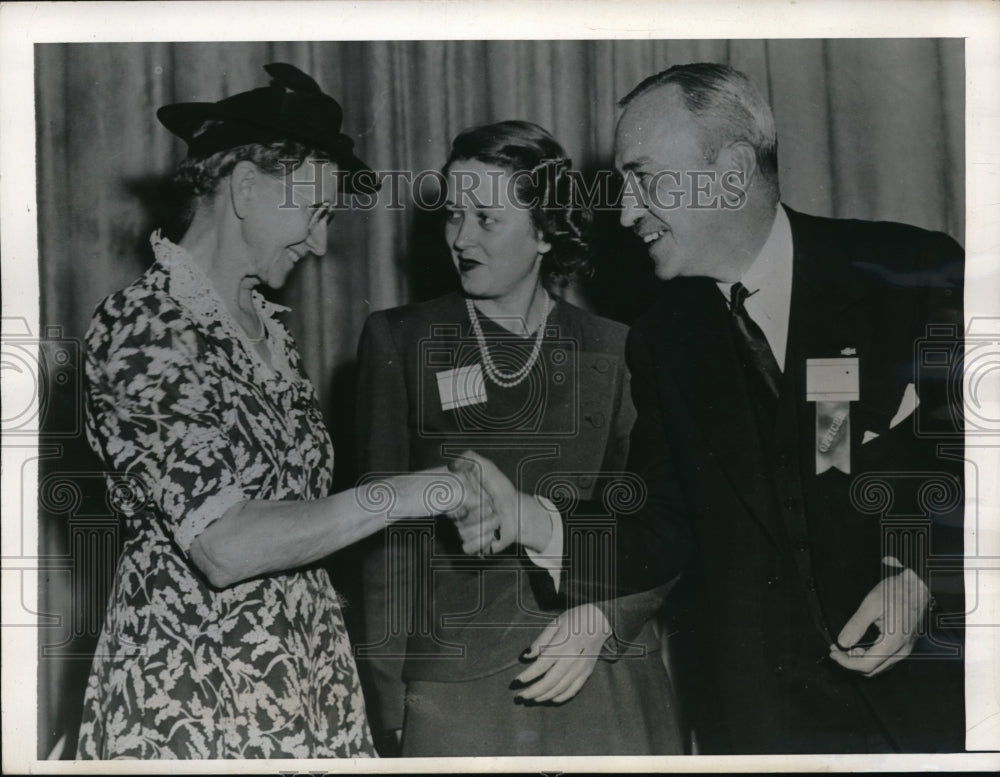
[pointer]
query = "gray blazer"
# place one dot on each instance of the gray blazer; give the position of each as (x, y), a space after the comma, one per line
(453, 617)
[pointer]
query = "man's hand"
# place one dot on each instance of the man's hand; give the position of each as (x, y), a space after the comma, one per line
(564, 655)
(510, 515)
(896, 606)
(478, 524)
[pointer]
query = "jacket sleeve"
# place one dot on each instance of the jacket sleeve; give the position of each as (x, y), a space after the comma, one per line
(627, 614)
(651, 541)
(930, 441)
(382, 435)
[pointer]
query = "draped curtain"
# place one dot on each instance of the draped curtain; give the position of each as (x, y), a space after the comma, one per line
(869, 129)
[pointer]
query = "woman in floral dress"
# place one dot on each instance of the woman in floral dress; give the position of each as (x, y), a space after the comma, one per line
(223, 636)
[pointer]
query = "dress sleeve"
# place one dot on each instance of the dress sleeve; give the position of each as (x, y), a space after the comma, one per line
(154, 412)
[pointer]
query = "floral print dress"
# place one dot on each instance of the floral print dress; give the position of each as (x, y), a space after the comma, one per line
(180, 405)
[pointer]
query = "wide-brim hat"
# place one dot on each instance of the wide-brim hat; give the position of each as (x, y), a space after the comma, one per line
(292, 107)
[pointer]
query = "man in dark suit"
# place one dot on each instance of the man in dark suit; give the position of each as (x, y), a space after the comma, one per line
(801, 469)
(798, 550)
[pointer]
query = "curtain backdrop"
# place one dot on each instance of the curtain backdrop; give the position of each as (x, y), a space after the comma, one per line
(869, 129)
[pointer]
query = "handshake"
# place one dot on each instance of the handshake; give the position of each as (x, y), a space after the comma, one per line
(491, 514)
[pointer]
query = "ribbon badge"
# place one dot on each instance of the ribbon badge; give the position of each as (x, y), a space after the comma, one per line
(833, 384)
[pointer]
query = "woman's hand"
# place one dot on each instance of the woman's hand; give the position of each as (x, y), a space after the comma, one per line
(475, 519)
(510, 515)
(564, 655)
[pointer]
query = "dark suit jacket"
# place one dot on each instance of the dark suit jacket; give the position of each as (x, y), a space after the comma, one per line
(450, 616)
(778, 557)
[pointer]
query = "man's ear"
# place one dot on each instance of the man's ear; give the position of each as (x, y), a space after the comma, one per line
(740, 157)
(543, 245)
(243, 183)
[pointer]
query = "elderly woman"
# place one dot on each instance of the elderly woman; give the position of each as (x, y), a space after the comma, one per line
(223, 637)
(540, 388)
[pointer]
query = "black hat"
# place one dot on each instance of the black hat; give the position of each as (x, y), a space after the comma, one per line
(292, 107)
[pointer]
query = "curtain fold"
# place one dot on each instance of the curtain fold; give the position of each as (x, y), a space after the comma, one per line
(867, 129)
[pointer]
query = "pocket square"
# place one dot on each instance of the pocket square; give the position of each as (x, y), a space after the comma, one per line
(906, 406)
(868, 437)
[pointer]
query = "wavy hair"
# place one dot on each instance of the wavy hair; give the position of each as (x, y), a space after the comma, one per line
(544, 180)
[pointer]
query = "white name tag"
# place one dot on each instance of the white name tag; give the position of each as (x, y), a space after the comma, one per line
(832, 380)
(461, 386)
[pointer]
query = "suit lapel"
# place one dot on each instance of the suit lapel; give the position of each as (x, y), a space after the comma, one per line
(829, 314)
(830, 317)
(705, 366)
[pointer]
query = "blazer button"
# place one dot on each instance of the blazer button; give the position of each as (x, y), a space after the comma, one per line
(811, 584)
(602, 365)
(778, 668)
(802, 546)
(595, 419)
(773, 580)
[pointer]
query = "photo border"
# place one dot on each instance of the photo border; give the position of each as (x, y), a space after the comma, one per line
(23, 24)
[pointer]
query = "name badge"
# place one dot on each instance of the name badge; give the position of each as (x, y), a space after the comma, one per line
(832, 380)
(833, 384)
(461, 386)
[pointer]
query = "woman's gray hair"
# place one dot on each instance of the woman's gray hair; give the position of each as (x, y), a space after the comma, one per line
(201, 176)
(727, 106)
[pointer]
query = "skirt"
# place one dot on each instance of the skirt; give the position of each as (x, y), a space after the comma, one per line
(626, 707)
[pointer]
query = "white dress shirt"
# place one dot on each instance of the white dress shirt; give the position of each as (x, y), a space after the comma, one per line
(769, 281)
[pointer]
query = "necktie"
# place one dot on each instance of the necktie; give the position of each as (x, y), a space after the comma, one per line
(753, 346)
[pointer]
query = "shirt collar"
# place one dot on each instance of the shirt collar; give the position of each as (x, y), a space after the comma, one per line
(769, 279)
(771, 270)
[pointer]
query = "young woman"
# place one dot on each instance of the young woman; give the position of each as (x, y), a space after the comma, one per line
(539, 387)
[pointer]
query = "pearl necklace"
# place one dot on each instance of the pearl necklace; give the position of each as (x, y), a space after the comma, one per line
(508, 379)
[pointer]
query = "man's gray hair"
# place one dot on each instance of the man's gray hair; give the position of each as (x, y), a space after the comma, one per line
(727, 107)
